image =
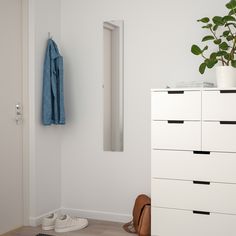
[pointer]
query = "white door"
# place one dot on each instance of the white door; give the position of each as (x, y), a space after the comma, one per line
(11, 199)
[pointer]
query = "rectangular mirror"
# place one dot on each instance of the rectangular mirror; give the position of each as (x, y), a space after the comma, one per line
(113, 86)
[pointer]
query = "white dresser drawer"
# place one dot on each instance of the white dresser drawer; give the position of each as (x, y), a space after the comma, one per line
(219, 105)
(218, 137)
(176, 105)
(194, 195)
(181, 136)
(189, 165)
(170, 222)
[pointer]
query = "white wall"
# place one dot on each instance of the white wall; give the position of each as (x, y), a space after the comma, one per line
(45, 162)
(158, 38)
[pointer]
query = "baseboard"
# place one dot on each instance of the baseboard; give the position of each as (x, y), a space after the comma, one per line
(36, 221)
(97, 215)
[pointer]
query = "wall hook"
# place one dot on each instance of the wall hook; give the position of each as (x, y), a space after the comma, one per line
(49, 35)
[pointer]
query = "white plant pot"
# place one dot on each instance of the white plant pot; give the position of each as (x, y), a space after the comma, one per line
(226, 76)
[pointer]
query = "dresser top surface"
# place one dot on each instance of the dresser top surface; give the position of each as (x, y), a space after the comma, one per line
(190, 89)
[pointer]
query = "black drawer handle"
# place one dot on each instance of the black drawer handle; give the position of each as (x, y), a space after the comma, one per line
(228, 122)
(201, 182)
(227, 91)
(201, 212)
(176, 92)
(202, 152)
(175, 121)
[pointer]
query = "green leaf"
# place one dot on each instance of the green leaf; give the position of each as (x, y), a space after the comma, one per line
(233, 63)
(230, 57)
(227, 56)
(224, 46)
(213, 55)
(229, 24)
(218, 20)
(210, 62)
(217, 41)
(215, 27)
(221, 53)
(204, 20)
(226, 33)
(205, 48)
(202, 68)
(230, 38)
(208, 37)
(208, 26)
(228, 18)
(231, 4)
(216, 61)
(232, 12)
(196, 50)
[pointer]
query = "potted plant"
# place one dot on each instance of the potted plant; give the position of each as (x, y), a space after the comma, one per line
(222, 35)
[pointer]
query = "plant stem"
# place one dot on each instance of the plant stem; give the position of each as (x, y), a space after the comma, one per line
(213, 33)
(222, 59)
(230, 30)
(204, 56)
(234, 11)
(232, 51)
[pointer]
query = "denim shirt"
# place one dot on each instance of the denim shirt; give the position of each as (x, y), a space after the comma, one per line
(53, 96)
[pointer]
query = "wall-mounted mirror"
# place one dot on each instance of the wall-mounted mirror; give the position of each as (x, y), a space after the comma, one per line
(113, 86)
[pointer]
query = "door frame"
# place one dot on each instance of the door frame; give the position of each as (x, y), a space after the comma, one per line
(25, 102)
(24, 87)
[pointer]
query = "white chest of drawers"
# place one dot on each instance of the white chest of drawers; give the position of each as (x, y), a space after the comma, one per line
(193, 162)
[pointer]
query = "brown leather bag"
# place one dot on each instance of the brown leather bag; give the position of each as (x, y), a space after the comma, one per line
(141, 223)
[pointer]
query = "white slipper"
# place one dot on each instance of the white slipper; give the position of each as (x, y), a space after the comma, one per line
(49, 222)
(66, 223)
